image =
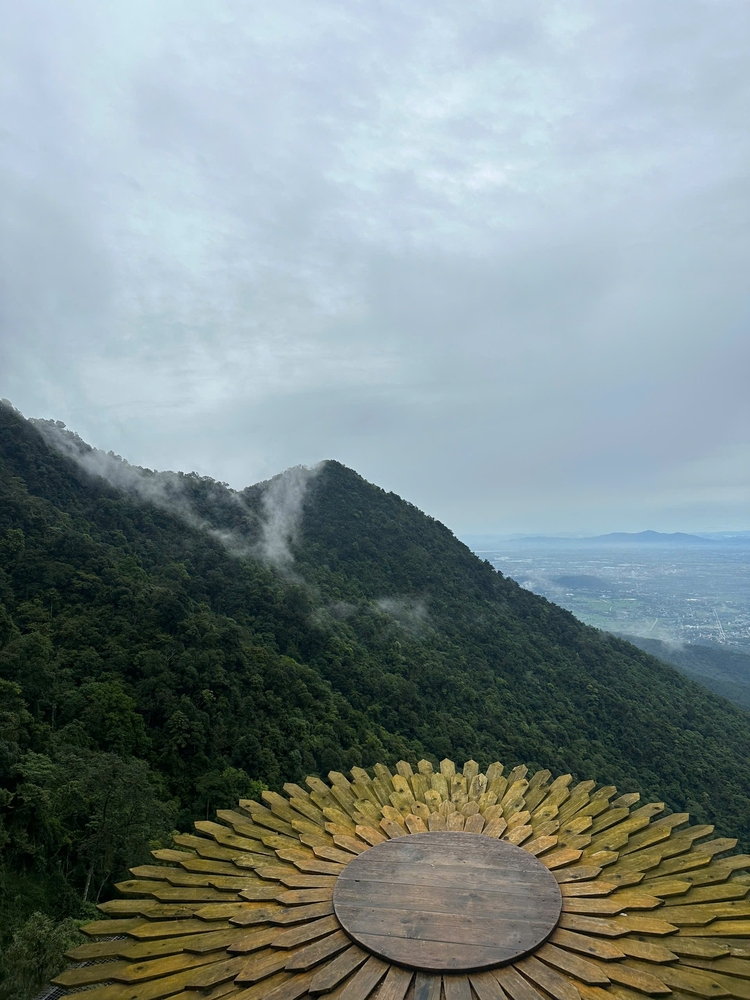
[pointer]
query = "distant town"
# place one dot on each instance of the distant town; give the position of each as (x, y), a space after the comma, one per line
(677, 588)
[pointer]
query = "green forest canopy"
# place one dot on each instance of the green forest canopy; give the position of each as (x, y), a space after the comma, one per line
(155, 665)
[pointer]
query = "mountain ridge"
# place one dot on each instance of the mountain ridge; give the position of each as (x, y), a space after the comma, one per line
(176, 653)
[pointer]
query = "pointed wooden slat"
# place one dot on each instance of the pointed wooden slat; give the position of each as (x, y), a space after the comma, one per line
(556, 985)
(293, 897)
(728, 966)
(254, 940)
(263, 964)
(704, 913)
(260, 892)
(711, 894)
(291, 989)
(352, 844)
(259, 990)
(591, 925)
(702, 947)
(312, 954)
(364, 980)
(558, 859)
(646, 951)
(305, 932)
(643, 981)
(576, 966)
(700, 983)
(337, 970)
(155, 968)
(596, 887)
(718, 928)
(583, 943)
(204, 847)
(88, 975)
(575, 873)
(227, 911)
(147, 907)
(299, 880)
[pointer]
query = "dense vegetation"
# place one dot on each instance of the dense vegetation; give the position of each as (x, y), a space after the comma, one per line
(154, 667)
(725, 671)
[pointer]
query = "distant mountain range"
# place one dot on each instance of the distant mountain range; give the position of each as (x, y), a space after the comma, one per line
(484, 542)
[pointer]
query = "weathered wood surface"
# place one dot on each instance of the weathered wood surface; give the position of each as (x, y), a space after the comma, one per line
(243, 908)
(447, 901)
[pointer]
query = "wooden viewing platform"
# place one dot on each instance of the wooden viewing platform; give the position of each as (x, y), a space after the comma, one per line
(429, 885)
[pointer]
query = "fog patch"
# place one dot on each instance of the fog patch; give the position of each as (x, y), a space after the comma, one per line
(341, 610)
(267, 536)
(282, 501)
(408, 612)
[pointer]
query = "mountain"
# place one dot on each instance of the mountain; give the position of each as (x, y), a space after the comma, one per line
(168, 645)
(489, 542)
(650, 538)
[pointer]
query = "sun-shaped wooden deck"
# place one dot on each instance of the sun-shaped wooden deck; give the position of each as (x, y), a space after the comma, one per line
(616, 902)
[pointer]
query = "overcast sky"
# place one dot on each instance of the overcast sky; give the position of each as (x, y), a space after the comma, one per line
(493, 255)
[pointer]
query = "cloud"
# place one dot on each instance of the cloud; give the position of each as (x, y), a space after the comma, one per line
(282, 501)
(493, 256)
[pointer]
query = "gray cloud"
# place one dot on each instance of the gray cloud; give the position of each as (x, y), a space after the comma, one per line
(493, 256)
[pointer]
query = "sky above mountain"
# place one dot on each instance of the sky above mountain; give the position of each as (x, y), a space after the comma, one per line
(494, 256)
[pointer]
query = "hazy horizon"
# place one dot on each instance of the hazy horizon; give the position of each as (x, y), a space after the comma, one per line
(493, 257)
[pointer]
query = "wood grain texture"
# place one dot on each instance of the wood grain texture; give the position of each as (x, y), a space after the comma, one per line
(244, 908)
(444, 902)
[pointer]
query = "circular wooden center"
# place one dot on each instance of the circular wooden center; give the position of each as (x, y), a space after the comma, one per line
(447, 901)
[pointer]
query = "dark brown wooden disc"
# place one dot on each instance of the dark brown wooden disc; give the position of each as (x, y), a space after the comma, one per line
(447, 901)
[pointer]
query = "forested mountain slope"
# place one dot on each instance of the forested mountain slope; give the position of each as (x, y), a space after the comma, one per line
(166, 644)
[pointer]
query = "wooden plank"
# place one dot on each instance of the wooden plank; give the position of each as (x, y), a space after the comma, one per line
(700, 947)
(706, 912)
(305, 932)
(596, 887)
(647, 951)
(700, 983)
(88, 975)
(583, 943)
(556, 985)
(293, 897)
(456, 987)
(515, 985)
(576, 966)
(396, 984)
(427, 987)
(254, 941)
(258, 991)
(711, 894)
(216, 973)
(642, 980)
(291, 989)
(717, 928)
(576, 873)
(557, 859)
(447, 902)
(265, 963)
(486, 986)
(364, 980)
(312, 954)
(204, 847)
(335, 971)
